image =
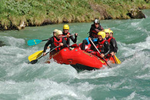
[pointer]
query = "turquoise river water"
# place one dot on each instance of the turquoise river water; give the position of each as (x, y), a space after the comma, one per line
(127, 81)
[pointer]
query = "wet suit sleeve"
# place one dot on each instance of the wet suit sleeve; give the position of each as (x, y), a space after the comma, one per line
(101, 28)
(50, 41)
(106, 48)
(91, 29)
(73, 39)
(64, 42)
(114, 46)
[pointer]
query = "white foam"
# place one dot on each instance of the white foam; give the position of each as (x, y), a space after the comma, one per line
(14, 41)
(131, 96)
(95, 74)
(135, 23)
(46, 89)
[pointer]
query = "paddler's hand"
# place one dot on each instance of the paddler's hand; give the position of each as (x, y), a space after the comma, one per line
(89, 38)
(48, 47)
(67, 35)
(112, 53)
(102, 55)
(61, 44)
(44, 53)
(76, 34)
(97, 30)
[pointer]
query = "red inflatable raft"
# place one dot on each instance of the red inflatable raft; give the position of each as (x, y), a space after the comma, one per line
(79, 59)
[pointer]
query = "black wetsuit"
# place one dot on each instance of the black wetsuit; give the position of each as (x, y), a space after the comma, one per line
(93, 32)
(51, 42)
(113, 45)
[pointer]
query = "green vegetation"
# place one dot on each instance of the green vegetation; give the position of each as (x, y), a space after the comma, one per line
(40, 12)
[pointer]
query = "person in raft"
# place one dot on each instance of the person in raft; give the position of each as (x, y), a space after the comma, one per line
(111, 40)
(54, 35)
(55, 41)
(95, 28)
(102, 45)
(67, 35)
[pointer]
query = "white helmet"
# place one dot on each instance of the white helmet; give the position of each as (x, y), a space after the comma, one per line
(55, 30)
(58, 32)
(96, 21)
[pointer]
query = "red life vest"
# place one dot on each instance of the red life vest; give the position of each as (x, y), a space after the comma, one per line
(56, 43)
(110, 39)
(66, 35)
(100, 45)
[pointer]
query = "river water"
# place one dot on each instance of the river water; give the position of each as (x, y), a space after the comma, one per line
(127, 81)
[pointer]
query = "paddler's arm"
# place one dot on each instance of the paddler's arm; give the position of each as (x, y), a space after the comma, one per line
(46, 45)
(114, 44)
(101, 27)
(107, 48)
(74, 39)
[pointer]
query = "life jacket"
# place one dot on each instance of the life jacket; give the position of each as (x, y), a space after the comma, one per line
(66, 35)
(100, 45)
(110, 39)
(94, 33)
(56, 43)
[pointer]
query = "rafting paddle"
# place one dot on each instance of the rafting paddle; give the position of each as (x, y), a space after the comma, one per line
(99, 52)
(34, 42)
(117, 60)
(37, 55)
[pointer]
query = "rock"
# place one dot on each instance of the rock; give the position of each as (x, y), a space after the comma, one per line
(1, 44)
(21, 26)
(65, 20)
(147, 1)
(5, 27)
(136, 13)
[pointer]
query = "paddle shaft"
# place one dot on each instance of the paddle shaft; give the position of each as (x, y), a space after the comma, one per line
(98, 51)
(45, 40)
(49, 52)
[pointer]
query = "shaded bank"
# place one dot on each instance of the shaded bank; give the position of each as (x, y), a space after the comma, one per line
(16, 14)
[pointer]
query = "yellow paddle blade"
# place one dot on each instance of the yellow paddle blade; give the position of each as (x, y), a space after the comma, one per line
(35, 55)
(117, 60)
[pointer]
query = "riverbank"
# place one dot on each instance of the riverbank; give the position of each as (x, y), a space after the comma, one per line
(17, 14)
(127, 81)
